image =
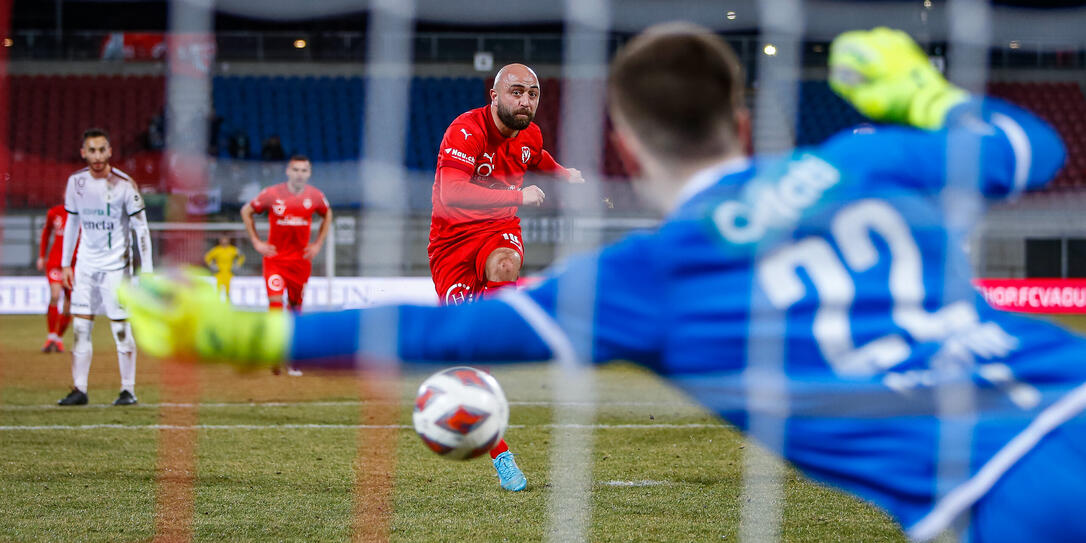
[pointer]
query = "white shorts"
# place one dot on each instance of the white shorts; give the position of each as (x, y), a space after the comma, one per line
(95, 293)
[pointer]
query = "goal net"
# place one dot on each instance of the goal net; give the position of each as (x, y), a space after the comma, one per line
(368, 106)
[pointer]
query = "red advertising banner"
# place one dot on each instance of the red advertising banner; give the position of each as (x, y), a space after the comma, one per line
(134, 46)
(1034, 295)
(188, 53)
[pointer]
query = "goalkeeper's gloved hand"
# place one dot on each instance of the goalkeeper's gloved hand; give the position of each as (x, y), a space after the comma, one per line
(888, 78)
(181, 314)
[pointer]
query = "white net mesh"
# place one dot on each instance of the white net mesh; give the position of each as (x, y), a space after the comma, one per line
(384, 78)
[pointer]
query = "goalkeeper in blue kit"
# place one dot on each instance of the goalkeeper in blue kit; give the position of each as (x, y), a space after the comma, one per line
(835, 269)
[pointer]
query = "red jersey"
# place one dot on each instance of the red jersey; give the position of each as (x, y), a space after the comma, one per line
(494, 166)
(55, 220)
(290, 217)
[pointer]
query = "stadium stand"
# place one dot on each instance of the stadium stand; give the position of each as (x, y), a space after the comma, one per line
(49, 112)
(1063, 105)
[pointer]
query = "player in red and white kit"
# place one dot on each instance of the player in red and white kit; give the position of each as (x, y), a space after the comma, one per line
(58, 321)
(288, 254)
(475, 239)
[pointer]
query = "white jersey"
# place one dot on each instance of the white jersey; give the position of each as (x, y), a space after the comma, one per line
(103, 208)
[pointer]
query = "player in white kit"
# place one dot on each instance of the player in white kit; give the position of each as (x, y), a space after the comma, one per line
(107, 205)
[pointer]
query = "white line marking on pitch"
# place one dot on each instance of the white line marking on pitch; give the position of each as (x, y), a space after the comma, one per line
(533, 403)
(643, 482)
(50, 427)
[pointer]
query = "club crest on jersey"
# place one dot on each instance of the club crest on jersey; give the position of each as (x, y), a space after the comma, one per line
(276, 282)
(307, 203)
(525, 154)
(279, 207)
(458, 294)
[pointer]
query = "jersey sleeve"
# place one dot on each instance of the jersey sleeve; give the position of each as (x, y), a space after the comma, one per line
(624, 322)
(462, 144)
(70, 205)
(262, 201)
(322, 205)
(457, 190)
(546, 164)
(46, 231)
(1014, 151)
(133, 200)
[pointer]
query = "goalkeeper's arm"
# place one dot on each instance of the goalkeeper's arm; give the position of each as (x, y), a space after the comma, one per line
(185, 317)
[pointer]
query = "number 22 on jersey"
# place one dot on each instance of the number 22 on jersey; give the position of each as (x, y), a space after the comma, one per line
(852, 229)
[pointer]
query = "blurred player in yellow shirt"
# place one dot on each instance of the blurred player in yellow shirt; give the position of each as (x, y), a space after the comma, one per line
(222, 259)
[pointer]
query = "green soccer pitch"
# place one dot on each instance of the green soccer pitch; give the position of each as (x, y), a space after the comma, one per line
(286, 459)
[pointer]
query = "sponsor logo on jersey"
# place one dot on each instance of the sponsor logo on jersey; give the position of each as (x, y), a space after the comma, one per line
(460, 155)
(58, 225)
(292, 220)
(525, 154)
(466, 133)
(486, 168)
(104, 225)
(776, 205)
(279, 207)
(307, 203)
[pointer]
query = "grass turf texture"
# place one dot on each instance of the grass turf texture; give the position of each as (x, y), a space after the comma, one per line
(277, 458)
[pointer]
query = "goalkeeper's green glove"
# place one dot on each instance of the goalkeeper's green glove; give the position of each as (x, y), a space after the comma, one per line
(888, 78)
(181, 314)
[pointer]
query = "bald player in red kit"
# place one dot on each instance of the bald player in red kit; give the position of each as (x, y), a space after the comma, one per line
(55, 220)
(475, 239)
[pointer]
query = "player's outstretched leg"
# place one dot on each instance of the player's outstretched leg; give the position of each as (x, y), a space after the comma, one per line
(510, 477)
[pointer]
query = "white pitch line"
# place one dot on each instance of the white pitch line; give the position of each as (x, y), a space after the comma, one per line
(644, 482)
(53, 427)
(533, 403)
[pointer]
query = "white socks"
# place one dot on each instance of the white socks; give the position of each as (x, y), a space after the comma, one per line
(126, 353)
(81, 352)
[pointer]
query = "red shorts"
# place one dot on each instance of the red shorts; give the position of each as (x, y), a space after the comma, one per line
(55, 275)
(459, 269)
(289, 276)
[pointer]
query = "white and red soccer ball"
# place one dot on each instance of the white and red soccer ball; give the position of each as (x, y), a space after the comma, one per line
(460, 413)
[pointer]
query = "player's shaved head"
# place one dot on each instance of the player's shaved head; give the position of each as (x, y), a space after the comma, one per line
(514, 97)
(678, 88)
(515, 73)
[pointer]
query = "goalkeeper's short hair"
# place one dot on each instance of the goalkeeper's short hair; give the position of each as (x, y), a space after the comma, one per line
(679, 87)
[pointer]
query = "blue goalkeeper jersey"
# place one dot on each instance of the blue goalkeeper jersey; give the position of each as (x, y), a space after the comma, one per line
(827, 290)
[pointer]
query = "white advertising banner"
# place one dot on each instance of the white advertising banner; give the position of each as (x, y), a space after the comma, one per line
(30, 295)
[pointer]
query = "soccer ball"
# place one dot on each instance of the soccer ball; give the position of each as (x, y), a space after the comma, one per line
(460, 413)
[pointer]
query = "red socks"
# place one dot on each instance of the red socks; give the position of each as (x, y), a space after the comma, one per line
(498, 449)
(493, 287)
(52, 318)
(62, 323)
(277, 306)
